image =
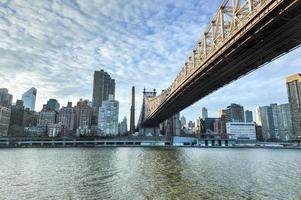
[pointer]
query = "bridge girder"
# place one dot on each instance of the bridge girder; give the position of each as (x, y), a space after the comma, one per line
(238, 28)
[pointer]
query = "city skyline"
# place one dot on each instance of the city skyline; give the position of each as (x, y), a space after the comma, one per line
(61, 66)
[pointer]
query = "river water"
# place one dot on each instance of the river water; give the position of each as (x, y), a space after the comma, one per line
(150, 173)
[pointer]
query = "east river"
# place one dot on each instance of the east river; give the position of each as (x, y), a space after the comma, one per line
(149, 173)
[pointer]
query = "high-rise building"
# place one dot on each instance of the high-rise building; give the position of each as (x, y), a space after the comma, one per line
(108, 117)
(30, 118)
(285, 122)
(275, 122)
(183, 122)
(47, 116)
(248, 116)
(204, 113)
(171, 126)
(234, 113)
(53, 104)
(83, 118)
(5, 98)
(123, 127)
(16, 123)
(67, 117)
(258, 116)
(29, 98)
(191, 125)
(265, 120)
(4, 120)
(103, 86)
(294, 96)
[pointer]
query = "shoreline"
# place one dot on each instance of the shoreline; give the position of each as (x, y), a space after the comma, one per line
(154, 142)
(150, 146)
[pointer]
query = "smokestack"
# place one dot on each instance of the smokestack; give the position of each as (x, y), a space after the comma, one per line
(132, 120)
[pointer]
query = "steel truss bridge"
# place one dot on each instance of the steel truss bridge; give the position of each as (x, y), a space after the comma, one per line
(241, 37)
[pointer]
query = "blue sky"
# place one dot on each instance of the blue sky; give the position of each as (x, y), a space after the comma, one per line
(55, 46)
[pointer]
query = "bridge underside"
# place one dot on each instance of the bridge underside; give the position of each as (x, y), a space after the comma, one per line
(271, 34)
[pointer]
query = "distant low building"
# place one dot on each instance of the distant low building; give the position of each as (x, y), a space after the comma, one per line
(54, 130)
(35, 131)
(244, 132)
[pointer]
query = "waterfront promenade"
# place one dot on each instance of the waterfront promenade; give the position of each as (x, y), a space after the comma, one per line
(46, 142)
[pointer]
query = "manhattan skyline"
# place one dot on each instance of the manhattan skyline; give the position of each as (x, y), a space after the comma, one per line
(60, 45)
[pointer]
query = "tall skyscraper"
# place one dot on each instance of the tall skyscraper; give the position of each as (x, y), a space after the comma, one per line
(294, 96)
(265, 120)
(29, 98)
(258, 116)
(275, 122)
(248, 116)
(53, 104)
(132, 119)
(285, 122)
(103, 86)
(6, 99)
(204, 113)
(108, 117)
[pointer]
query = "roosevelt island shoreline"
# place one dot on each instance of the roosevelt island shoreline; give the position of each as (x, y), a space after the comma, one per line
(132, 142)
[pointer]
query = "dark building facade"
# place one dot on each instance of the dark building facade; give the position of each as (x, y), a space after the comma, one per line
(5, 98)
(248, 116)
(234, 113)
(294, 97)
(16, 123)
(208, 125)
(53, 105)
(67, 117)
(103, 85)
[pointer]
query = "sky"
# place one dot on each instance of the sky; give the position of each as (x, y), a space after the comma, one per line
(55, 46)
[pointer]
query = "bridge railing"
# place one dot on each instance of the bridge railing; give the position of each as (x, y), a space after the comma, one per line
(229, 18)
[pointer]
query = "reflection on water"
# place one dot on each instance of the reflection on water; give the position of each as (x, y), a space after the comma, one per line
(149, 173)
